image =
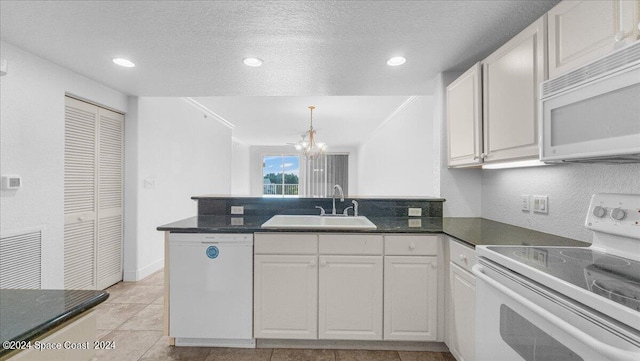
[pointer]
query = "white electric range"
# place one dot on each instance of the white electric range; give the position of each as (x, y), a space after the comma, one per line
(558, 303)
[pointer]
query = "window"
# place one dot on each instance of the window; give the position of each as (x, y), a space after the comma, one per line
(280, 174)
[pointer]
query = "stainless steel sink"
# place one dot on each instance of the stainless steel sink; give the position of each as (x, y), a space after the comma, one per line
(318, 222)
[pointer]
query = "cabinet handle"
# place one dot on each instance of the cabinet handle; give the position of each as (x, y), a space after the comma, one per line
(462, 258)
(475, 157)
(312, 263)
(323, 263)
(483, 156)
(619, 36)
(412, 246)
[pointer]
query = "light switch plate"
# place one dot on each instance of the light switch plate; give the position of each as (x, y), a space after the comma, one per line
(237, 210)
(525, 203)
(415, 212)
(540, 204)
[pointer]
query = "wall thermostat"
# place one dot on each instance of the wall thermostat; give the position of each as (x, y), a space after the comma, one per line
(11, 182)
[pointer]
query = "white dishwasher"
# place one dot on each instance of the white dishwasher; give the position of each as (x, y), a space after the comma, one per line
(211, 289)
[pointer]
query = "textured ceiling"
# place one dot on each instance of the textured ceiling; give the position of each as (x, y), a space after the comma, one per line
(195, 48)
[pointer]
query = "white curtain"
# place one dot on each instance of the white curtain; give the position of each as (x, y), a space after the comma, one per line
(321, 174)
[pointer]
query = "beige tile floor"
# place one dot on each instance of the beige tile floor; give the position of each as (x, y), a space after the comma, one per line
(132, 319)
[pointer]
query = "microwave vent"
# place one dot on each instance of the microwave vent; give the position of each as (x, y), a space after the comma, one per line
(622, 58)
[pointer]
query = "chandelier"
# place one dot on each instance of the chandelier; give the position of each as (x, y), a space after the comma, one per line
(309, 148)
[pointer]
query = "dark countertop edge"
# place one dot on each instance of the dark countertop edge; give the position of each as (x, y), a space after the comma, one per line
(278, 199)
(67, 315)
(310, 230)
(456, 237)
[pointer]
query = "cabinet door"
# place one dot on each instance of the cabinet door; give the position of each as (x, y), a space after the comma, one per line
(464, 118)
(350, 298)
(462, 327)
(581, 31)
(410, 298)
(511, 80)
(285, 297)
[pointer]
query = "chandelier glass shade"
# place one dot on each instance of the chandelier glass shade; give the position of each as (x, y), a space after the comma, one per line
(308, 146)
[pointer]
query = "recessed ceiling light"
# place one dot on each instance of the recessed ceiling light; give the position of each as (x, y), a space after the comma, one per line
(124, 62)
(252, 62)
(396, 60)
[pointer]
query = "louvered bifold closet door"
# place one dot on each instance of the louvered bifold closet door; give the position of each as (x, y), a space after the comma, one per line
(79, 194)
(110, 193)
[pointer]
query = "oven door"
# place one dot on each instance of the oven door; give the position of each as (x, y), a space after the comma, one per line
(518, 319)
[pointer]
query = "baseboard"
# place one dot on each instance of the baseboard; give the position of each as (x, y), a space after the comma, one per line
(211, 342)
(139, 274)
(353, 345)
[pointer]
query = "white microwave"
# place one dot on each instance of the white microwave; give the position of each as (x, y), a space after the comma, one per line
(592, 114)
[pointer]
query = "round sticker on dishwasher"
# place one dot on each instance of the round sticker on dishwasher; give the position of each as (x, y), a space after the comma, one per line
(212, 252)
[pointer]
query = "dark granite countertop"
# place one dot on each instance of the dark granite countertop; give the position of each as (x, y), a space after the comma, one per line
(251, 224)
(27, 314)
(473, 231)
(481, 232)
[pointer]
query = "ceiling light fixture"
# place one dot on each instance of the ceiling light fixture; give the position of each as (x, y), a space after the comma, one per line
(124, 62)
(310, 149)
(396, 60)
(252, 62)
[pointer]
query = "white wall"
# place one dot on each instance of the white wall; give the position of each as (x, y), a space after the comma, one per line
(173, 144)
(32, 146)
(397, 160)
(240, 169)
(569, 187)
(462, 188)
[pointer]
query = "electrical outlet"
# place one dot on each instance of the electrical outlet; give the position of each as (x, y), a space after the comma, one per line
(525, 202)
(415, 212)
(237, 210)
(541, 204)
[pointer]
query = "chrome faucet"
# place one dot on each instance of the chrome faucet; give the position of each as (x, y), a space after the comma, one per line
(333, 197)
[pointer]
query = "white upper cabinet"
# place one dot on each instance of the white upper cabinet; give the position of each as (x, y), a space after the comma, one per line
(511, 79)
(582, 31)
(464, 118)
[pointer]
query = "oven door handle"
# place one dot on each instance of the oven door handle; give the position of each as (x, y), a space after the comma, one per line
(604, 349)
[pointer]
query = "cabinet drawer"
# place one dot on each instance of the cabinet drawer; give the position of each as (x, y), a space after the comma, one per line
(406, 245)
(463, 256)
(348, 244)
(285, 243)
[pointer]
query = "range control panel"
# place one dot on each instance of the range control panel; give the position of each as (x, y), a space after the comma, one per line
(615, 213)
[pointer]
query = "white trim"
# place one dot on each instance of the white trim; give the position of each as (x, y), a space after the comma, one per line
(393, 114)
(209, 112)
(141, 273)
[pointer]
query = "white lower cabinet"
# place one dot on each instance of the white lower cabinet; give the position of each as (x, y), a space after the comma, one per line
(285, 286)
(410, 298)
(285, 297)
(350, 298)
(332, 286)
(462, 285)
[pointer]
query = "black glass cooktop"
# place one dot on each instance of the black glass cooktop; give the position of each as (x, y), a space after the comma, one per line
(615, 278)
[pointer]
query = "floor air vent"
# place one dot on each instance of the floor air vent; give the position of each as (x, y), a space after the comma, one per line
(20, 260)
